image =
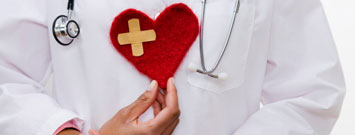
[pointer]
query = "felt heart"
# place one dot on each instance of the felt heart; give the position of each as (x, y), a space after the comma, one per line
(176, 29)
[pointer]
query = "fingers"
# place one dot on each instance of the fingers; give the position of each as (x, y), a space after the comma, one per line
(156, 108)
(147, 99)
(161, 99)
(171, 97)
(171, 127)
(171, 112)
(160, 103)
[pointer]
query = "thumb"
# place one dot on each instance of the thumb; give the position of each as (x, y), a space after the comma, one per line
(143, 102)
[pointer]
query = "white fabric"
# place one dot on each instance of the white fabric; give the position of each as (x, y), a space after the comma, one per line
(281, 54)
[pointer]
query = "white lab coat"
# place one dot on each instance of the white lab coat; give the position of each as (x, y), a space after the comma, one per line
(281, 54)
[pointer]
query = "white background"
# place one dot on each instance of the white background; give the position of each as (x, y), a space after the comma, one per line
(341, 16)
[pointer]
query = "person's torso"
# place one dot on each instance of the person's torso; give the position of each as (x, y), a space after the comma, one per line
(94, 80)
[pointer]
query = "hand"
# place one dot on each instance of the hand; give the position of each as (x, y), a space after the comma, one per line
(69, 132)
(166, 112)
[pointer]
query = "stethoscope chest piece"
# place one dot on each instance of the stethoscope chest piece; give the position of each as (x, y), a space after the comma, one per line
(64, 29)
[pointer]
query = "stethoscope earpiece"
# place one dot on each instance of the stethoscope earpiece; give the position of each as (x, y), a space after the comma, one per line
(64, 29)
(223, 76)
(192, 67)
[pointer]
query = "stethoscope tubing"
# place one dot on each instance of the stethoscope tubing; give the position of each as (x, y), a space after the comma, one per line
(202, 57)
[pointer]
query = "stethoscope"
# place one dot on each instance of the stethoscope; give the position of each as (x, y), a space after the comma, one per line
(65, 30)
(204, 70)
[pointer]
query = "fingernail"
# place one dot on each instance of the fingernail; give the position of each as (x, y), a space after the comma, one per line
(172, 80)
(152, 85)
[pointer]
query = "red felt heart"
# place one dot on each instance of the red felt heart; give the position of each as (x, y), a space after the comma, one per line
(176, 29)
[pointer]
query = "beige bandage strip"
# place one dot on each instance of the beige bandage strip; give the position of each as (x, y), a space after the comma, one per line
(136, 37)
